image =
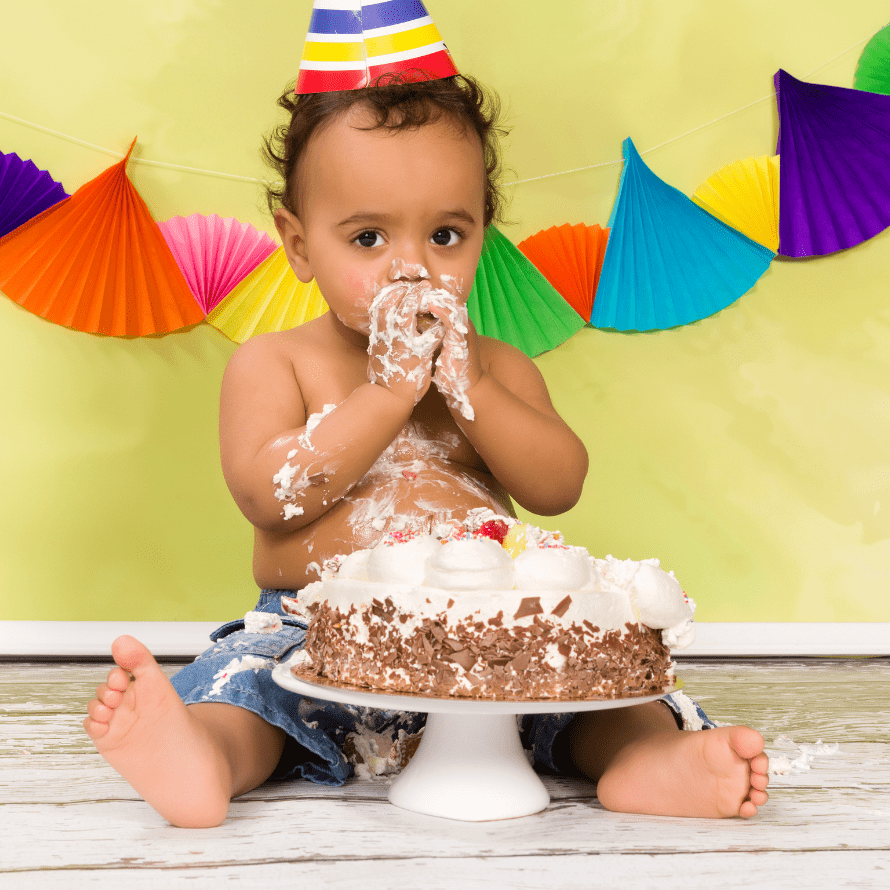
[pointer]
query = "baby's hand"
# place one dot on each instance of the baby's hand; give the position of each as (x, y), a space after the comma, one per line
(401, 356)
(458, 367)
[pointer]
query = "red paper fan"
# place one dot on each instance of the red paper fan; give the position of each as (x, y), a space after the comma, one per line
(215, 254)
(571, 259)
(98, 262)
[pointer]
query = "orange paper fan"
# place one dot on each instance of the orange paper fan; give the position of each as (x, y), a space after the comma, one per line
(98, 262)
(271, 298)
(571, 259)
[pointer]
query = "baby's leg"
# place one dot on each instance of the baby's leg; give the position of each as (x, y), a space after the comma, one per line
(188, 762)
(643, 764)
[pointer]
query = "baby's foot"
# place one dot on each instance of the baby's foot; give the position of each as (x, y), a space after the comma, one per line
(142, 728)
(713, 773)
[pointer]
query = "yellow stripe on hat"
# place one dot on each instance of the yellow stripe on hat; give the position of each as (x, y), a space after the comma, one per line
(317, 51)
(403, 41)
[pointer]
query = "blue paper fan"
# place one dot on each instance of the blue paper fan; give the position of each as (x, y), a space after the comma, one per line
(668, 261)
(25, 191)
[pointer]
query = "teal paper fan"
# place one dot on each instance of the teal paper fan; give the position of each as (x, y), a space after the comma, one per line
(668, 261)
(873, 70)
(513, 302)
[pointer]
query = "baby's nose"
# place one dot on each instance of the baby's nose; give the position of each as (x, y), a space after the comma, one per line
(404, 271)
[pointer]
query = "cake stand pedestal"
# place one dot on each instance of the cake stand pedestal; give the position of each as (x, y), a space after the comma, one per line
(470, 764)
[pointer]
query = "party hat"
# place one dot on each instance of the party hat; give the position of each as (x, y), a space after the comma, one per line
(512, 301)
(873, 70)
(25, 191)
(571, 259)
(745, 195)
(98, 262)
(214, 254)
(668, 262)
(271, 298)
(834, 144)
(351, 43)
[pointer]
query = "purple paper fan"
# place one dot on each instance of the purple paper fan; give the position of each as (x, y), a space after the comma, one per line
(834, 173)
(25, 191)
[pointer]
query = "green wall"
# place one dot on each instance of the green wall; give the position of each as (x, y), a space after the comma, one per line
(748, 451)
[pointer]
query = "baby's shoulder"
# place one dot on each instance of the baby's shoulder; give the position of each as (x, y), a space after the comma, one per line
(512, 367)
(279, 349)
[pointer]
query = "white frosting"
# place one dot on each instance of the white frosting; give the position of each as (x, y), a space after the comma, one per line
(555, 568)
(476, 578)
(403, 563)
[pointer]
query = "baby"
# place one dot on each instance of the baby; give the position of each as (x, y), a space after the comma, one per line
(387, 412)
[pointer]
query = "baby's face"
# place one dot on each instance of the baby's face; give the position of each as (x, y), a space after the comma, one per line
(379, 207)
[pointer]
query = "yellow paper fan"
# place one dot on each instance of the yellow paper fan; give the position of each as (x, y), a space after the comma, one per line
(271, 298)
(745, 195)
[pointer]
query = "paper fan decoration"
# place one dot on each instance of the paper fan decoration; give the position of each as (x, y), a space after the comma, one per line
(745, 195)
(271, 298)
(873, 70)
(25, 191)
(668, 262)
(98, 262)
(512, 301)
(835, 149)
(570, 258)
(214, 254)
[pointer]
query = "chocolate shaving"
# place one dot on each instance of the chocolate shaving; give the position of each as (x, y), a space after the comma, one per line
(562, 607)
(529, 605)
(464, 658)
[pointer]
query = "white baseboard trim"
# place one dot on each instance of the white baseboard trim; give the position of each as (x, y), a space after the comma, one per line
(187, 639)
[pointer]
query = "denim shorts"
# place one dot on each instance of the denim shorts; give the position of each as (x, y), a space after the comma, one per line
(237, 670)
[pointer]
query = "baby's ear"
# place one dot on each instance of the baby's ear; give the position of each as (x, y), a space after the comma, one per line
(293, 238)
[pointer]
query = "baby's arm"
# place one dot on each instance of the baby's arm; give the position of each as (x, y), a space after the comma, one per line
(281, 474)
(263, 435)
(515, 429)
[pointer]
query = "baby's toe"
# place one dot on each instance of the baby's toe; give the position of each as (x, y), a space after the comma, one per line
(98, 712)
(94, 729)
(758, 798)
(759, 781)
(760, 764)
(748, 809)
(108, 696)
(118, 679)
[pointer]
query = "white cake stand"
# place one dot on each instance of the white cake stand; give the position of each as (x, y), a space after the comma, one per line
(470, 764)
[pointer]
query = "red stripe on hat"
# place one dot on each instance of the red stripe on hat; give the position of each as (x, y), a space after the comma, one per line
(430, 67)
(314, 81)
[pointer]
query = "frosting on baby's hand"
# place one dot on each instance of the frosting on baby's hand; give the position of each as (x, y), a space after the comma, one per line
(453, 366)
(401, 355)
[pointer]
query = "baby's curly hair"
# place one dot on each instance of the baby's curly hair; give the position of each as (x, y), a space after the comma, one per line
(397, 102)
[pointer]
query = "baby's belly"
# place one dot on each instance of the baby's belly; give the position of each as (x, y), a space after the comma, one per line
(401, 495)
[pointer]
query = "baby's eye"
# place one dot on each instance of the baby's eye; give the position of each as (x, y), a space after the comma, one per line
(445, 237)
(368, 239)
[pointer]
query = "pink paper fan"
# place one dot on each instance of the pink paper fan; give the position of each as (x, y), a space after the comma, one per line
(214, 254)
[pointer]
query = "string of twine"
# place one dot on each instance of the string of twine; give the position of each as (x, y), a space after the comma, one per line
(255, 180)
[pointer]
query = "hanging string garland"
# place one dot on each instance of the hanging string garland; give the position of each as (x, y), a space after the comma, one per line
(96, 261)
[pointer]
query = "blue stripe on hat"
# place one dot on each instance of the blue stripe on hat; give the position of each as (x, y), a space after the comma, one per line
(335, 21)
(391, 12)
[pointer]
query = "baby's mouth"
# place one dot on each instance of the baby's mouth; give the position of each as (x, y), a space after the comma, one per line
(424, 322)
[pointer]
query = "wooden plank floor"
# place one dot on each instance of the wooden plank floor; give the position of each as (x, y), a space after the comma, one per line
(67, 820)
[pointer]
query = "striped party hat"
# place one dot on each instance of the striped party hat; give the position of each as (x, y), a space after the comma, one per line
(351, 43)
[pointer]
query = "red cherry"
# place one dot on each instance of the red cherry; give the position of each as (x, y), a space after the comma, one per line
(496, 529)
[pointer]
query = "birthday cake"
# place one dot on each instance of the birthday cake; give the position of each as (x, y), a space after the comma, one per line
(491, 608)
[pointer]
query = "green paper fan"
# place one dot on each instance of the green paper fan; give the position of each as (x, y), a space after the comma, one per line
(513, 302)
(873, 70)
